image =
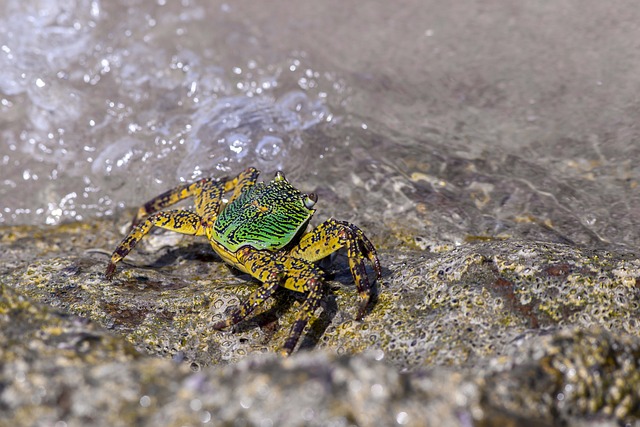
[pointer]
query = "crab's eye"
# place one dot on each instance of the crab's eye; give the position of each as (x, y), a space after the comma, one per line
(310, 200)
(279, 176)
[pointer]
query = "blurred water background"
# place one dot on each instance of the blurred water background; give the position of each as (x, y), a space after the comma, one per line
(420, 119)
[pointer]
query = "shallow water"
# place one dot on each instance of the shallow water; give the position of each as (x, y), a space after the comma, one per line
(438, 121)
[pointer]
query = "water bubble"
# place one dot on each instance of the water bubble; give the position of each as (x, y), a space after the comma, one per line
(377, 391)
(245, 128)
(238, 143)
(195, 404)
(269, 148)
(118, 154)
(145, 401)
(205, 417)
(246, 402)
(402, 418)
(95, 9)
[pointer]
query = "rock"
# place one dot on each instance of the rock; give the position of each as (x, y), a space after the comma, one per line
(488, 333)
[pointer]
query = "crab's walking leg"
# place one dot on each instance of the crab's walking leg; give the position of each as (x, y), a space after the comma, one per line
(302, 276)
(245, 308)
(314, 296)
(206, 192)
(332, 235)
(255, 261)
(270, 268)
(208, 198)
(182, 221)
(167, 199)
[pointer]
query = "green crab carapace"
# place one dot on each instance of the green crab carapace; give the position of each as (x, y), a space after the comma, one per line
(260, 230)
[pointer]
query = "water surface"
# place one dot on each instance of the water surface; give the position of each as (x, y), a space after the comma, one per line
(422, 120)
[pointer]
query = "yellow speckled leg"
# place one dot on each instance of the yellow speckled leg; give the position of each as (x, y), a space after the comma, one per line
(182, 221)
(315, 291)
(258, 297)
(264, 267)
(208, 199)
(270, 268)
(301, 276)
(332, 235)
(169, 198)
(207, 193)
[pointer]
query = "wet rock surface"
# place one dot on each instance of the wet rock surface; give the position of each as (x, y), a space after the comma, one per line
(496, 332)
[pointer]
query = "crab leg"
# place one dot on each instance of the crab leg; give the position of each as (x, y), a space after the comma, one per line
(206, 192)
(166, 199)
(301, 276)
(270, 267)
(255, 262)
(208, 198)
(332, 235)
(314, 296)
(181, 221)
(245, 308)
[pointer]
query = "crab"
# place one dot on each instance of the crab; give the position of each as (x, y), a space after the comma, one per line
(261, 231)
